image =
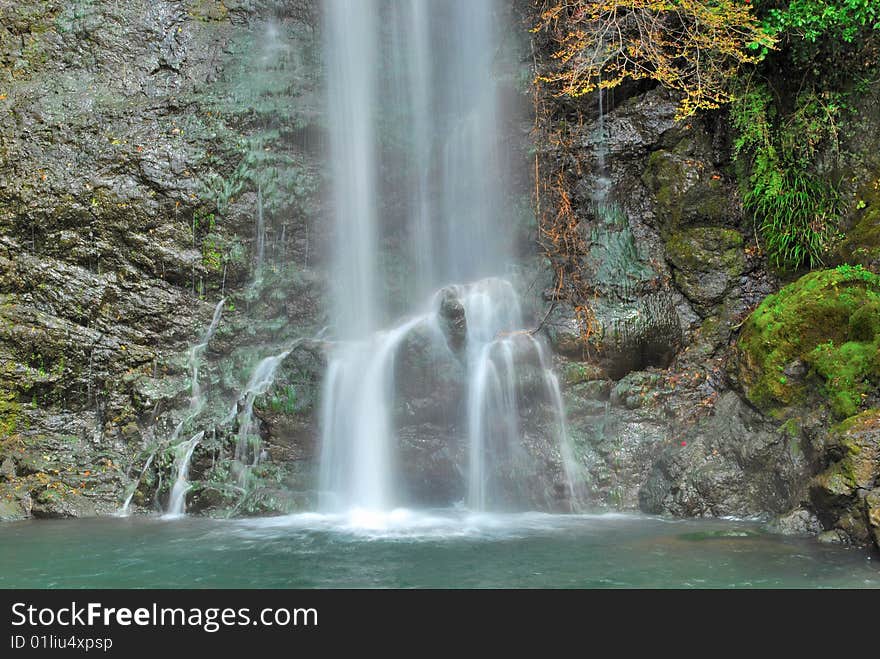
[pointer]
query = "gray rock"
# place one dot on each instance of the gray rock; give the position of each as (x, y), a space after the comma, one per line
(797, 522)
(453, 321)
(730, 463)
(707, 262)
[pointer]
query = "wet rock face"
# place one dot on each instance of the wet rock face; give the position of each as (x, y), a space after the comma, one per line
(707, 261)
(124, 213)
(453, 321)
(844, 495)
(731, 463)
(736, 419)
(633, 335)
(429, 379)
(433, 455)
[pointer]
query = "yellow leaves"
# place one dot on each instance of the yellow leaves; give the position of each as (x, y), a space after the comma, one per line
(691, 46)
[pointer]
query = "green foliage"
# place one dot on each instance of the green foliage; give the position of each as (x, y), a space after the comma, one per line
(813, 19)
(796, 209)
(285, 401)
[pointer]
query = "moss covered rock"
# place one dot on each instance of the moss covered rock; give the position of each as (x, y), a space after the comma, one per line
(686, 188)
(839, 494)
(862, 242)
(707, 260)
(872, 503)
(818, 334)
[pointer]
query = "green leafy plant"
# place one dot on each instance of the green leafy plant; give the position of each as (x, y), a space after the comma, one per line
(796, 210)
(812, 19)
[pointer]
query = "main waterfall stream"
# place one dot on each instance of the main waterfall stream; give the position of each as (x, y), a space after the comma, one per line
(430, 66)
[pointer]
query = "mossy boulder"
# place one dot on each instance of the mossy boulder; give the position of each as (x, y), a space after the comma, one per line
(706, 261)
(819, 334)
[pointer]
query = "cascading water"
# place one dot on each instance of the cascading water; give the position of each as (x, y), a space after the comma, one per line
(247, 450)
(411, 86)
(126, 506)
(358, 434)
(195, 354)
(185, 450)
(196, 402)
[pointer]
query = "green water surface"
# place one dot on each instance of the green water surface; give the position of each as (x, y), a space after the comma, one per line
(446, 549)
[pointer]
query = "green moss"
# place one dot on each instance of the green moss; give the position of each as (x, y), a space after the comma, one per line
(693, 248)
(864, 324)
(9, 412)
(862, 242)
(684, 190)
(578, 372)
(10, 409)
(859, 456)
(828, 320)
(209, 10)
(848, 372)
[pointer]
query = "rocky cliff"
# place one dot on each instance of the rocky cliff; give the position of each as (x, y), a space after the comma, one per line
(135, 140)
(696, 386)
(161, 161)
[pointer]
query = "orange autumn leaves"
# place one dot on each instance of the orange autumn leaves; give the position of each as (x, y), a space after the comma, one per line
(693, 47)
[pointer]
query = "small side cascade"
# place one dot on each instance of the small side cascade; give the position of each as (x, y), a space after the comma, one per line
(248, 428)
(177, 501)
(125, 511)
(195, 355)
(573, 471)
(196, 403)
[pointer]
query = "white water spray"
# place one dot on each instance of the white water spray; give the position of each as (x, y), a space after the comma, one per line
(177, 501)
(248, 427)
(411, 85)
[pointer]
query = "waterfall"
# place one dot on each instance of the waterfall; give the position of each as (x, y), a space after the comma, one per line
(185, 450)
(195, 353)
(196, 402)
(261, 237)
(352, 63)
(357, 432)
(419, 169)
(248, 428)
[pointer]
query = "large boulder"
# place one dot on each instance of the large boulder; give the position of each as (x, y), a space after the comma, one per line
(816, 339)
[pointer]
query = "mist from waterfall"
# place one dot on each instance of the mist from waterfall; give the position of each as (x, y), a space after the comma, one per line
(419, 170)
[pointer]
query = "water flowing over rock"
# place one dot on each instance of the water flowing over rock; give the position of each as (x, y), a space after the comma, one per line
(441, 392)
(369, 171)
(177, 501)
